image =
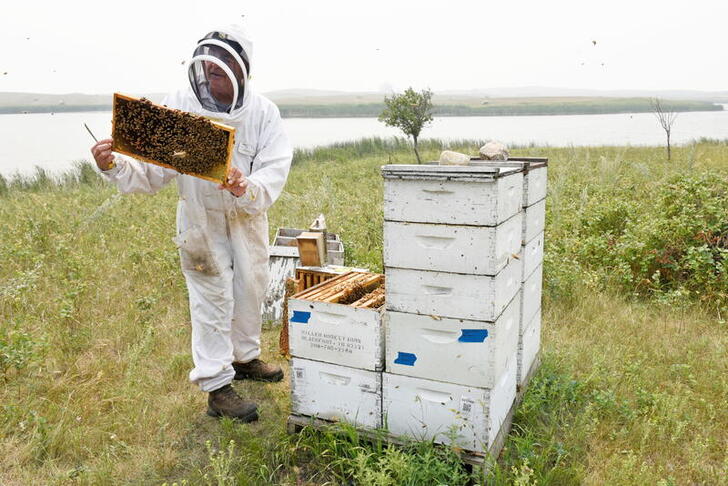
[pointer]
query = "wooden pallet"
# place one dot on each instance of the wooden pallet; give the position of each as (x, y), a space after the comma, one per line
(296, 423)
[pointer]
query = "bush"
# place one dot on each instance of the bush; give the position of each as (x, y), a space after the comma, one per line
(17, 350)
(674, 241)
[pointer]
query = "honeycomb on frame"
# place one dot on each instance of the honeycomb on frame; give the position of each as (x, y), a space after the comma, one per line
(188, 143)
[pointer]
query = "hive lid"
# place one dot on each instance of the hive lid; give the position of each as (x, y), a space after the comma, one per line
(527, 163)
(474, 173)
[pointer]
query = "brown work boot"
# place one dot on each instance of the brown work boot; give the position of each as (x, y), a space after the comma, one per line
(258, 370)
(224, 402)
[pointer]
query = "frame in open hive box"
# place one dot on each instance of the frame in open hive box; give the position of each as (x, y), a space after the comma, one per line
(188, 143)
(307, 277)
(340, 321)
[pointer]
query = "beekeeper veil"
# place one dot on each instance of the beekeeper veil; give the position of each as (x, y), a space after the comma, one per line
(219, 70)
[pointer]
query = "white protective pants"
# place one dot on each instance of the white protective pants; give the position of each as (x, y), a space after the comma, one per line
(226, 283)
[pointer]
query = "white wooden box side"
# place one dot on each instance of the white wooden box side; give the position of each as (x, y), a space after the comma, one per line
(472, 353)
(474, 250)
(473, 297)
(426, 409)
(279, 269)
(337, 393)
(535, 186)
(534, 221)
(452, 202)
(529, 346)
(532, 293)
(510, 196)
(532, 256)
(336, 333)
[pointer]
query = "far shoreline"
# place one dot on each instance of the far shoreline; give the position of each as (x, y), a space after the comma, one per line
(325, 111)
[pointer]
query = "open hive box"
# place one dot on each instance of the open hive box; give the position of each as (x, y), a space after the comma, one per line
(356, 289)
(190, 144)
(340, 321)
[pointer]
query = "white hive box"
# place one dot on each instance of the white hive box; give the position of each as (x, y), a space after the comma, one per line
(534, 175)
(336, 393)
(531, 296)
(483, 250)
(473, 297)
(472, 353)
(535, 180)
(534, 221)
(528, 346)
(335, 333)
(460, 195)
(425, 409)
(531, 256)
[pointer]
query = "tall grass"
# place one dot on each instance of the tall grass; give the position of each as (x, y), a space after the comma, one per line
(94, 338)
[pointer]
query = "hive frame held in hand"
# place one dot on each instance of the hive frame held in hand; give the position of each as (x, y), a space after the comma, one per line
(117, 148)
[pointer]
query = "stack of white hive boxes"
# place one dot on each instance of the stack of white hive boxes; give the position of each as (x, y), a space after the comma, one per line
(338, 356)
(531, 254)
(532, 241)
(452, 235)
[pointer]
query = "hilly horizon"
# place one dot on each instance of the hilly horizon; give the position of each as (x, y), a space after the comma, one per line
(314, 103)
(18, 98)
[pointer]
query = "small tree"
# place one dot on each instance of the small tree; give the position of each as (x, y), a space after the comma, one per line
(410, 111)
(666, 117)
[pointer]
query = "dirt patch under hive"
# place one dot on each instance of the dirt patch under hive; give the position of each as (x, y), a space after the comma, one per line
(188, 143)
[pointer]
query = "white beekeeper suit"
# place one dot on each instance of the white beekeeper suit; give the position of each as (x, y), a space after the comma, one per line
(223, 240)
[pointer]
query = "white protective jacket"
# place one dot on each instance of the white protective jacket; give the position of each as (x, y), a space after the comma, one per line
(223, 240)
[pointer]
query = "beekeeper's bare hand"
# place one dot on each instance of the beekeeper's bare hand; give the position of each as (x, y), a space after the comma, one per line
(236, 182)
(102, 154)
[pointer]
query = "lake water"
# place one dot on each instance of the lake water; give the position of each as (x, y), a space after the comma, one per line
(54, 141)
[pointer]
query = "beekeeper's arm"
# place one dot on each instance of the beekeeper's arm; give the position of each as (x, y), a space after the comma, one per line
(271, 165)
(130, 175)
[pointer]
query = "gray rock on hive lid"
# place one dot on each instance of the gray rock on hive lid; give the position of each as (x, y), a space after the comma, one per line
(448, 157)
(494, 151)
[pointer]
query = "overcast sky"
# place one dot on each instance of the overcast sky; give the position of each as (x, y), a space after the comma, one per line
(138, 46)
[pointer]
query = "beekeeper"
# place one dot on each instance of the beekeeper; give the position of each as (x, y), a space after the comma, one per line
(222, 230)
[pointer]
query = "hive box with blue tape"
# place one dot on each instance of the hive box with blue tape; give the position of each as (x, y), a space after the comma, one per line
(340, 321)
(466, 352)
(468, 417)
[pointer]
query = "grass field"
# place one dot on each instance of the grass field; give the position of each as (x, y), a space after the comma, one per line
(95, 334)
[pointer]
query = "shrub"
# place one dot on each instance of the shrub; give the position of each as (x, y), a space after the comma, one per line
(674, 241)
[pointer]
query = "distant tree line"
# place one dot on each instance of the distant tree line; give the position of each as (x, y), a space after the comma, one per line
(372, 110)
(568, 108)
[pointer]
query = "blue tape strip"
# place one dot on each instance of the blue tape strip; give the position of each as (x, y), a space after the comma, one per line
(301, 316)
(473, 335)
(407, 359)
